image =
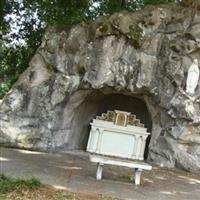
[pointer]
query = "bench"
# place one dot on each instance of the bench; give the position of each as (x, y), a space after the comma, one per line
(138, 166)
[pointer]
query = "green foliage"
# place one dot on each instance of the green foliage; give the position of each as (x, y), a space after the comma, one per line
(155, 2)
(111, 6)
(13, 61)
(8, 184)
(59, 12)
(32, 17)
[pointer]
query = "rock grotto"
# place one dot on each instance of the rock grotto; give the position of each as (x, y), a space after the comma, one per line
(131, 61)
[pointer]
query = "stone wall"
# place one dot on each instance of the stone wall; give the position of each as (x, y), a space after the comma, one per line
(145, 54)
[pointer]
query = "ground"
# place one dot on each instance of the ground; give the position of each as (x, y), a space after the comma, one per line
(49, 193)
(72, 171)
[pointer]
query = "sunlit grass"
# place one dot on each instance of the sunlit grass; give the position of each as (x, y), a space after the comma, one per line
(32, 189)
(8, 184)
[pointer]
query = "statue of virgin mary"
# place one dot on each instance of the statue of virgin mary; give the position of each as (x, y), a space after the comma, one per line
(192, 78)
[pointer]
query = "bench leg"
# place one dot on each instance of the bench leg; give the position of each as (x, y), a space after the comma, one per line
(99, 171)
(138, 173)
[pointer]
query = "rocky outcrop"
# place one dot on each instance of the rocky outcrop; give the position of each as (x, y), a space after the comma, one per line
(143, 55)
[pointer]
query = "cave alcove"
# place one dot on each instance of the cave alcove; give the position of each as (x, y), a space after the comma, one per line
(97, 103)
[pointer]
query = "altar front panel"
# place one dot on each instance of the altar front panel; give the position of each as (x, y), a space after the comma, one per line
(108, 138)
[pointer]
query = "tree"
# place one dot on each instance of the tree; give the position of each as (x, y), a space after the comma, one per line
(22, 24)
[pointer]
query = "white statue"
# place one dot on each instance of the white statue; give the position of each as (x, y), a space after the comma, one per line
(192, 77)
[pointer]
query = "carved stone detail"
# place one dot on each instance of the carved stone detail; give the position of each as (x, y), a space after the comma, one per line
(116, 117)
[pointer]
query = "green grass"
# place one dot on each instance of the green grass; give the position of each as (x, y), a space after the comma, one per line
(8, 184)
(32, 189)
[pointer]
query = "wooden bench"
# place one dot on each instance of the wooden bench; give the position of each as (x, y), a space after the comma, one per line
(138, 166)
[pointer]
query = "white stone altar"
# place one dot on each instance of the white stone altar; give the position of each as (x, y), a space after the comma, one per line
(118, 134)
(118, 138)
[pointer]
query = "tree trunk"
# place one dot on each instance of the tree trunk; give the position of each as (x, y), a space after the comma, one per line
(191, 3)
(121, 3)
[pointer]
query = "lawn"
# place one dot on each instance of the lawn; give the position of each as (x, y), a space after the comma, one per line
(32, 189)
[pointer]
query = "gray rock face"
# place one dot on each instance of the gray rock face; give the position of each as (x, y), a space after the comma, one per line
(130, 61)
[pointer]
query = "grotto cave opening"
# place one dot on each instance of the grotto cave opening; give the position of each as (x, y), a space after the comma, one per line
(97, 103)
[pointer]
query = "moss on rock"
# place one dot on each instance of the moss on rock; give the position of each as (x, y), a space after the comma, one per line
(103, 27)
(135, 36)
